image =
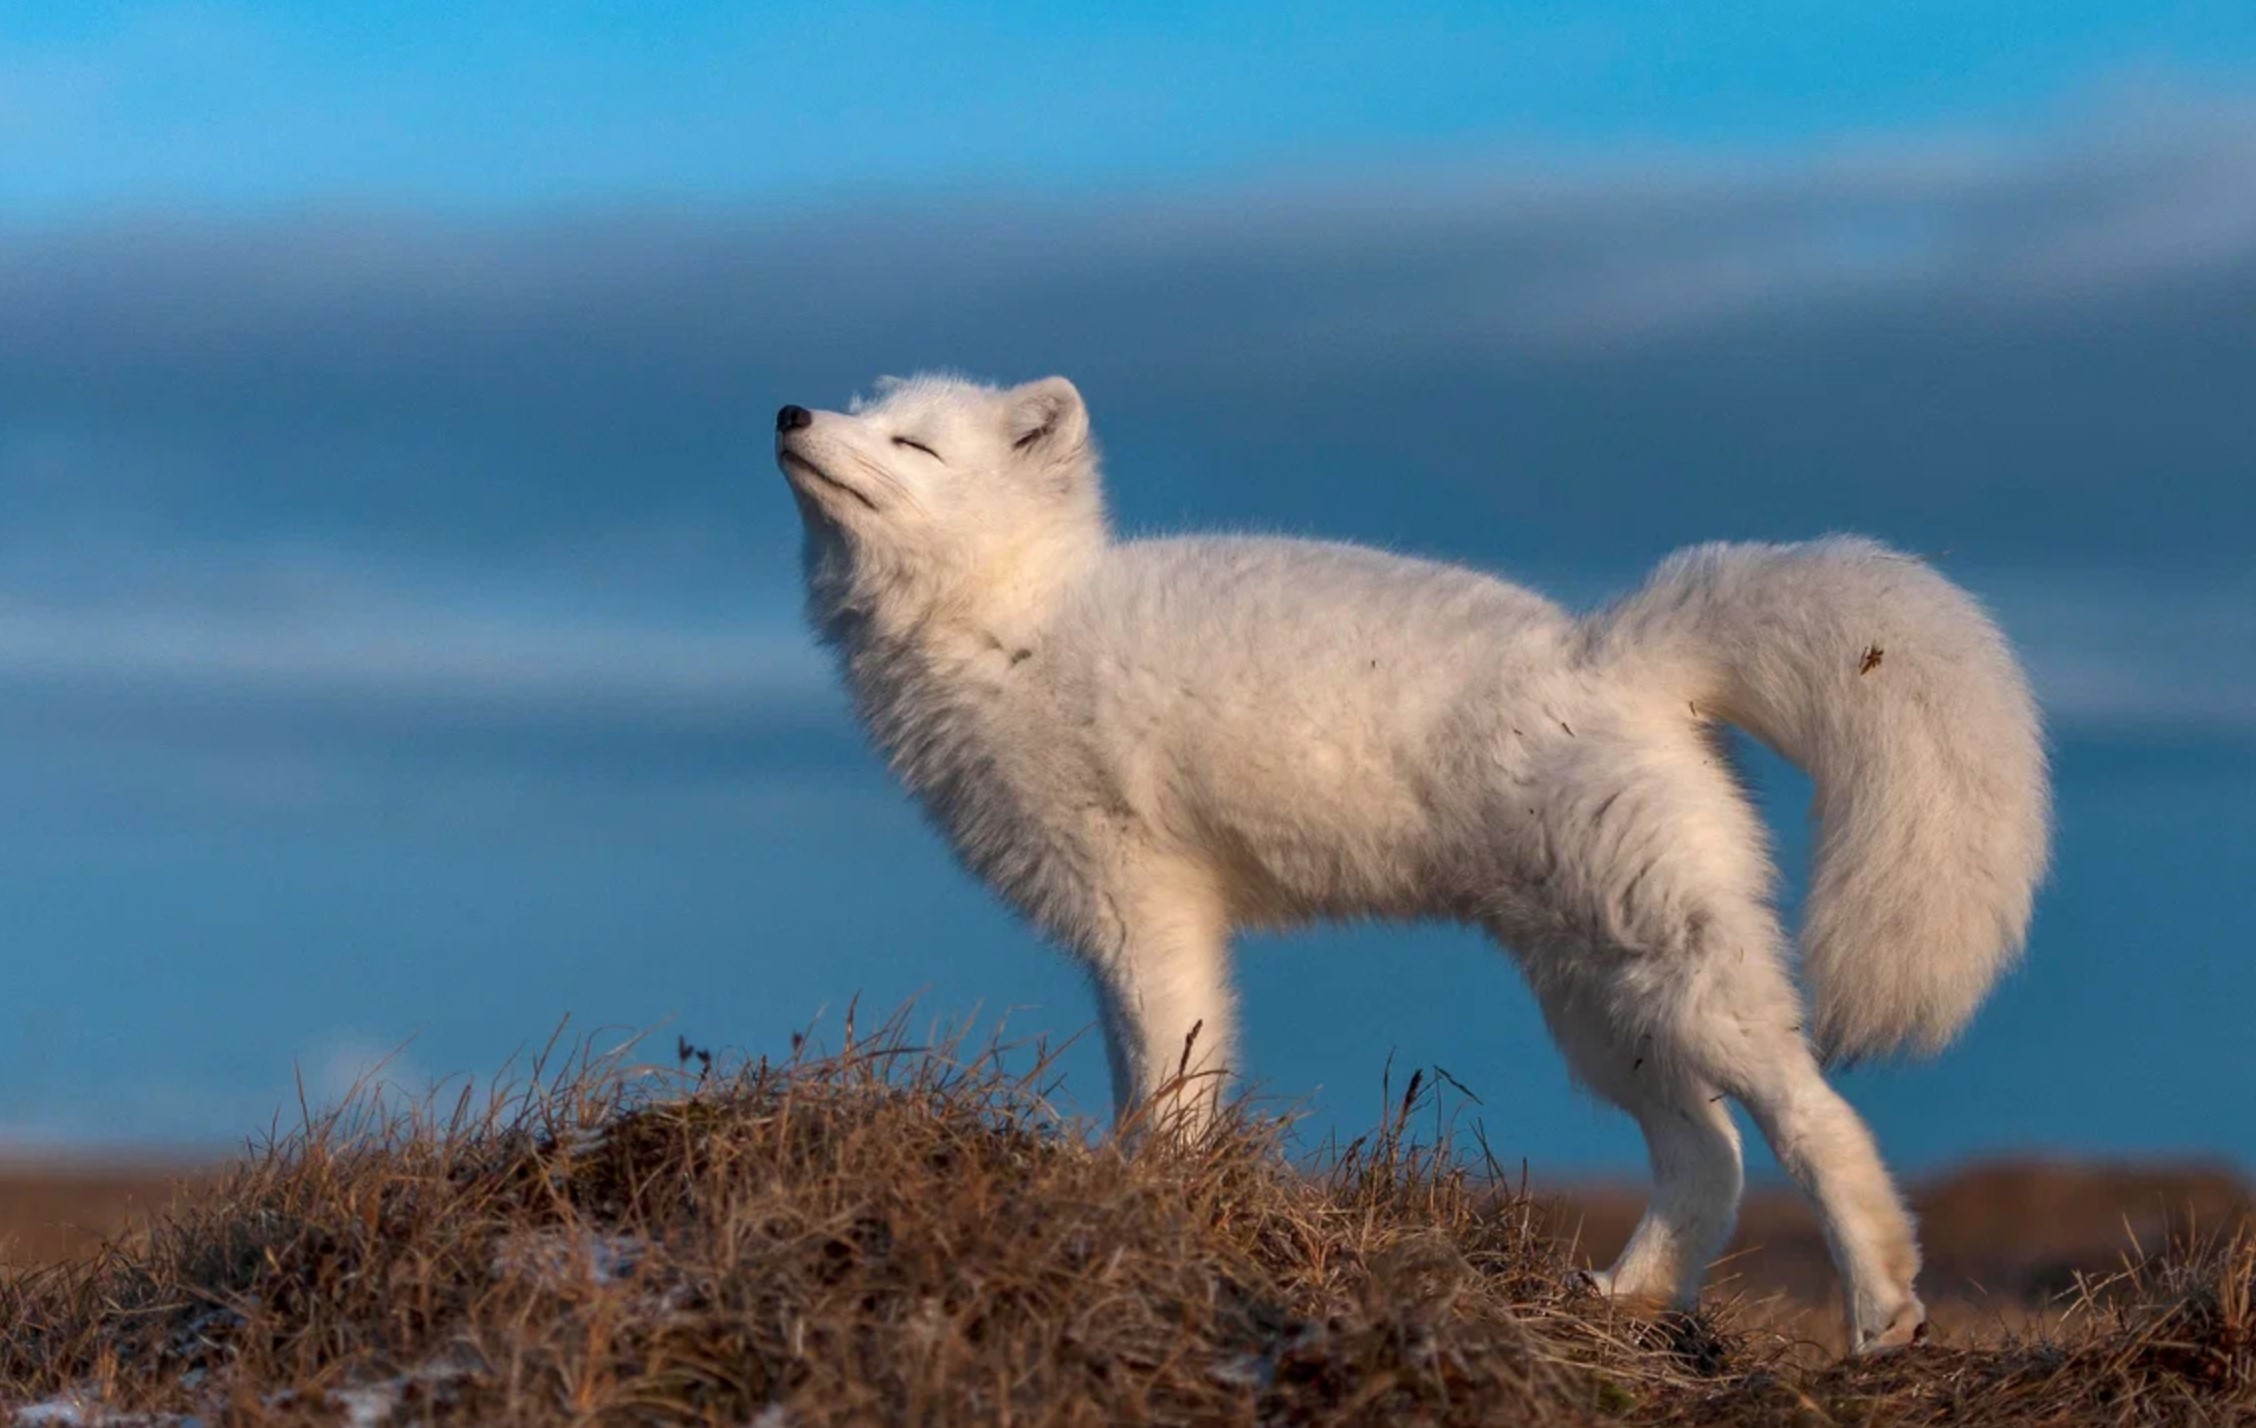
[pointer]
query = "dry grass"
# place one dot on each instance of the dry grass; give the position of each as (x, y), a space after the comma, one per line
(895, 1235)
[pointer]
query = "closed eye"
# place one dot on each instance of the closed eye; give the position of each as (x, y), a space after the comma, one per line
(916, 445)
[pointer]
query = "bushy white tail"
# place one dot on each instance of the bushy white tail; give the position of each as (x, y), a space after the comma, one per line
(1893, 689)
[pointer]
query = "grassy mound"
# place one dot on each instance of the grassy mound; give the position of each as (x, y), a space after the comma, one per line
(894, 1235)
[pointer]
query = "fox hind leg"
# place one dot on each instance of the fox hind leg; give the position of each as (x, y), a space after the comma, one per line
(1730, 1017)
(1662, 969)
(1726, 1024)
(1831, 1155)
(1690, 1140)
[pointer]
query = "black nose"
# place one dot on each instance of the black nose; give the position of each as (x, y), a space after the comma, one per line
(793, 418)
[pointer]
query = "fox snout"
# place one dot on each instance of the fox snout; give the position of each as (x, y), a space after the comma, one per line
(790, 422)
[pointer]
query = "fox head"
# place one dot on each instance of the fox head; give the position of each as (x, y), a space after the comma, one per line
(939, 497)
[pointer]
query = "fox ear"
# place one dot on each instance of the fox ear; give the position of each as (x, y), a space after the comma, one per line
(1048, 418)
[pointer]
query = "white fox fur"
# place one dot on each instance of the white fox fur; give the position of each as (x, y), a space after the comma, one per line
(1142, 745)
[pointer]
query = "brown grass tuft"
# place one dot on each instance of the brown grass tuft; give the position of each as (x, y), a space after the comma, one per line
(896, 1235)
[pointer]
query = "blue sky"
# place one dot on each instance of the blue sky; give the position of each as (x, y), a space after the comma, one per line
(398, 638)
(484, 105)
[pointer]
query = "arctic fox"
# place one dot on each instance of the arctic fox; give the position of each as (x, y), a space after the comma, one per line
(1143, 745)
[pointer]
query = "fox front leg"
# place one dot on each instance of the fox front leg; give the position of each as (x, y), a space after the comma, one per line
(1163, 992)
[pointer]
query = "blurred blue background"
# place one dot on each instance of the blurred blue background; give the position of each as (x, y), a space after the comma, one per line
(398, 628)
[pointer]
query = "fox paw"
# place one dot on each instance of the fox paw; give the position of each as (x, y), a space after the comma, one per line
(1904, 1329)
(1630, 1298)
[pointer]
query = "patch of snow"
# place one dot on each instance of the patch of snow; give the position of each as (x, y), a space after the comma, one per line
(72, 1410)
(369, 1407)
(1246, 1371)
(564, 1261)
(203, 1332)
(559, 1260)
(372, 1405)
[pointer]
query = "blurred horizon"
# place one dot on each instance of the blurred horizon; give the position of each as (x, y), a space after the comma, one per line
(398, 620)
